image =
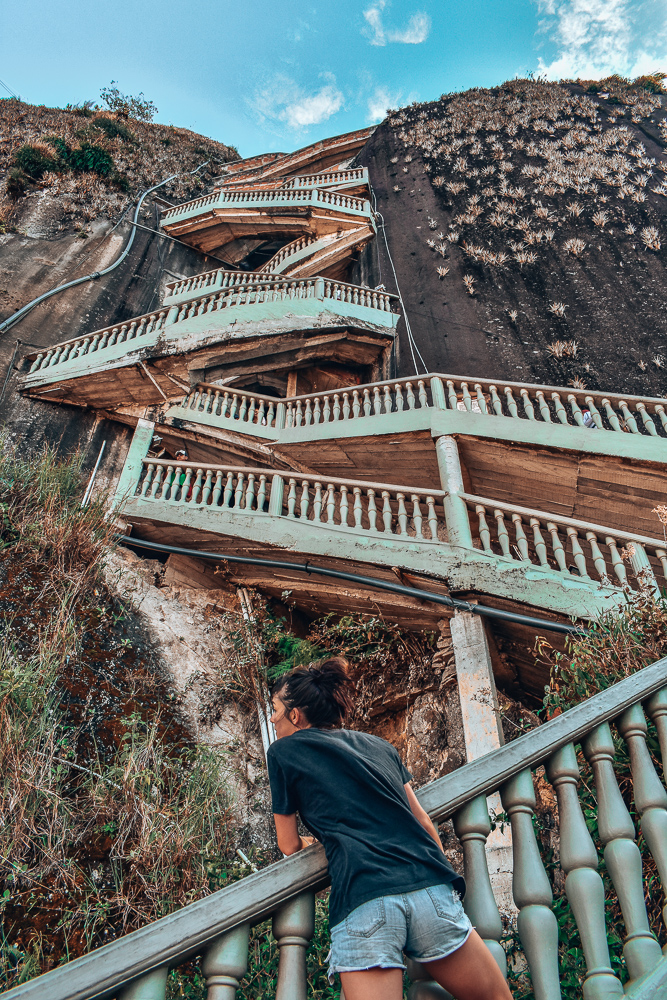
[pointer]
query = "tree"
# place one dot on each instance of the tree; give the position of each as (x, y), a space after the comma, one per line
(126, 105)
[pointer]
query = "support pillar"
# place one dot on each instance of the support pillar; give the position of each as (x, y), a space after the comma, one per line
(451, 479)
(483, 733)
(129, 477)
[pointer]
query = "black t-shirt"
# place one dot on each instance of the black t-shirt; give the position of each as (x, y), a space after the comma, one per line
(348, 789)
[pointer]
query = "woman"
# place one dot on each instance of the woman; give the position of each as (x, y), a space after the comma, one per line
(392, 890)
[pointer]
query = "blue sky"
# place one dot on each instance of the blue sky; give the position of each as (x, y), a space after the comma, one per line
(277, 74)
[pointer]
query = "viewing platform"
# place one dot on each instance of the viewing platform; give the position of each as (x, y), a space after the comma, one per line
(240, 326)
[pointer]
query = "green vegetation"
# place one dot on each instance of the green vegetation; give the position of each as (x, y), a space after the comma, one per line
(113, 129)
(35, 160)
(112, 815)
(127, 105)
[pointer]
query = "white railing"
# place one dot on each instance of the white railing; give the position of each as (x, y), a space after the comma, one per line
(296, 246)
(264, 198)
(558, 544)
(566, 545)
(238, 293)
(330, 178)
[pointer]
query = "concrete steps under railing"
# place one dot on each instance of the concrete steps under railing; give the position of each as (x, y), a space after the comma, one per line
(217, 927)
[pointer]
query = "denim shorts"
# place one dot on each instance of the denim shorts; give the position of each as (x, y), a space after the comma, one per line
(426, 924)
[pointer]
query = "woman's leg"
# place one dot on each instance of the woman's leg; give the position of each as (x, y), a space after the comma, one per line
(469, 973)
(373, 984)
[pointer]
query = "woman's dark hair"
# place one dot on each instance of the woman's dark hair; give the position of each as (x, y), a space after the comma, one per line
(322, 691)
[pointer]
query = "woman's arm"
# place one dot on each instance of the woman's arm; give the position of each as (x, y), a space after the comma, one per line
(289, 840)
(420, 814)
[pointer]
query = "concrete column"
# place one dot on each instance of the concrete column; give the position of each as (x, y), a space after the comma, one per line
(451, 479)
(483, 733)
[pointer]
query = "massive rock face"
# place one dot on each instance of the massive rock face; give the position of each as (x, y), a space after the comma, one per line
(526, 225)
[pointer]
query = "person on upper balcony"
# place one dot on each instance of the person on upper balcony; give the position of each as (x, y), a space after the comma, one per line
(392, 889)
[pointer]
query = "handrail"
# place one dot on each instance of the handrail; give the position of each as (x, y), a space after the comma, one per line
(178, 936)
(270, 196)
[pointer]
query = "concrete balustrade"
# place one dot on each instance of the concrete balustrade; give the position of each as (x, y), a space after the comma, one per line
(265, 199)
(217, 926)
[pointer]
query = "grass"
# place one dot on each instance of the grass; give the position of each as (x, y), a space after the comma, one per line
(112, 816)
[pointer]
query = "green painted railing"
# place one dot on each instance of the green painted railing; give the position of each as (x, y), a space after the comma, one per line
(238, 292)
(409, 516)
(217, 927)
(491, 401)
(263, 199)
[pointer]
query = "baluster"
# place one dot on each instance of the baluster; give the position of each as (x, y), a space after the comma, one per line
(617, 562)
(344, 506)
(662, 556)
(377, 401)
(452, 395)
(346, 406)
(388, 402)
(402, 514)
(225, 963)
(432, 518)
(233, 409)
(372, 510)
(239, 492)
(576, 412)
(185, 488)
(423, 396)
(544, 407)
(511, 402)
(291, 498)
(540, 544)
(317, 503)
(561, 412)
(305, 498)
(151, 986)
(368, 409)
(317, 410)
(583, 885)
(521, 540)
(261, 412)
(656, 707)
(386, 511)
(250, 492)
(537, 925)
(37, 364)
(528, 407)
(308, 416)
(170, 482)
(611, 415)
(217, 490)
(473, 826)
(649, 793)
(484, 532)
(503, 536)
(410, 396)
(641, 567)
(261, 494)
(598, 558)
(331, 503)
(336, 407)
(422, 986)
(646, 420)
(206, 493)
(357, 507)
(630, 421)
(252, 409)
(356, 404)
(298, 414)
(157, 482)
(496, 401)
(271, 414)
(229, 490)
(557, 546)
(326, 410)
(226, 405)
(621, 854)
(417, 516)
(660, 410)
(577, 551)
(481, 398)
(594, 412)
(465, 395)
(400, 404)
(148, 477)
(197, 486)
(293, 926)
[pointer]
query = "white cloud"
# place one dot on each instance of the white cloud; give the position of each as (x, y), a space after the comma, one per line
(414, 33)
(598, 37)
(379, 102)
(283, 100)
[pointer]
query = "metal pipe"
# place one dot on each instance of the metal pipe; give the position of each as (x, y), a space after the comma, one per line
(395, 588)
(24, 310)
